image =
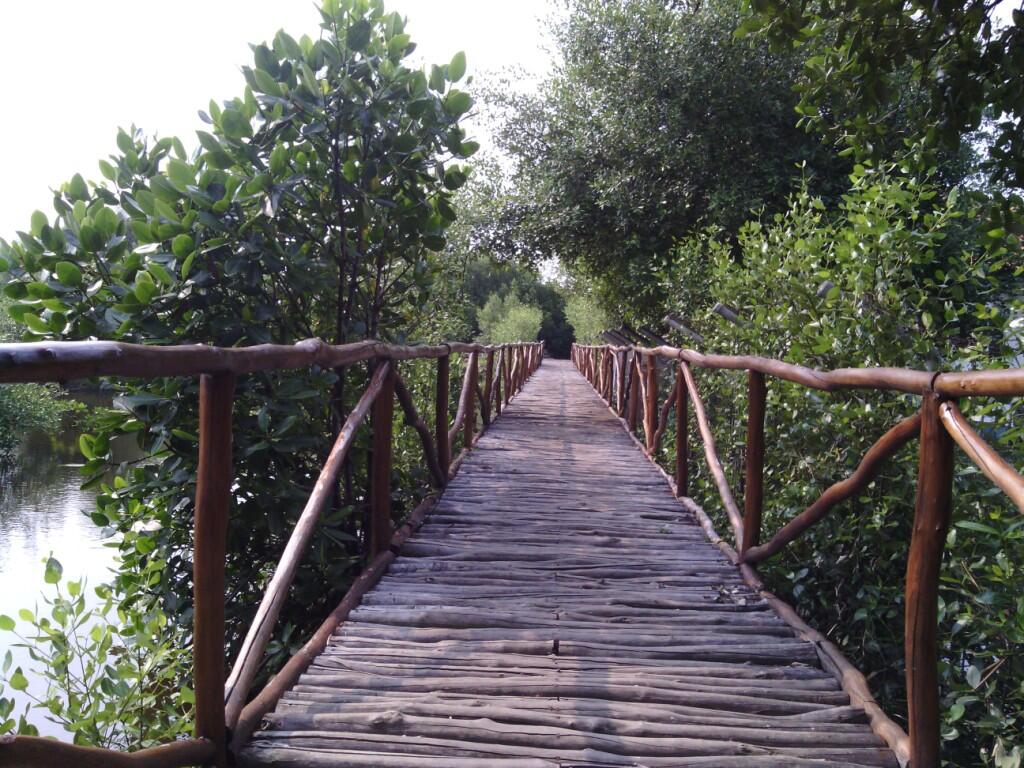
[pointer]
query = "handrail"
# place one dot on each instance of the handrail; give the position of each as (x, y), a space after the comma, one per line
(995, 467)
(221, 705)
(56, 361)
(236, 689)
(867, 470)
(938, 424)
(711, 456)
(1003, 382)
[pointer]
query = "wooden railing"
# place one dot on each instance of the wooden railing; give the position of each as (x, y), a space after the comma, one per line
(626, 377)
(224, 717)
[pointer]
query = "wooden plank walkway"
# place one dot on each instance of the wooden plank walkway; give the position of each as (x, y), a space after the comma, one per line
(559, 608)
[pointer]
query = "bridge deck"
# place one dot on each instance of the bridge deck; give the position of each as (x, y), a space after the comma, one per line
(560, 608)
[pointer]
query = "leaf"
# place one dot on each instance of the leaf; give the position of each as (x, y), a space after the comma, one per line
(6, 623)
(160, 273)
(437, 79)
(76, 188)
(68, 273)
(266, 83)
(186, 266)
(145, 288)
(234, 124)
(180, 174)
(973, 676)
(457, 67)
(54, 571)
(18, 680)
(39, 221)
(182, 246)
(457, 103)
(357, 37)
(971, 525)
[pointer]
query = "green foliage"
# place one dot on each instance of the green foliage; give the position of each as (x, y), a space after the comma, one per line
(659, 121)
(112, 677)
(25, 407)
(860, 56)
(587, 318)
(317, 205)
(479, 267)
(506, 319)
(890, 277)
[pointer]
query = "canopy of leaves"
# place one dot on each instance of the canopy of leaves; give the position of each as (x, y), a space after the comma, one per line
(859, 52)
(506, 319)
(658, 121)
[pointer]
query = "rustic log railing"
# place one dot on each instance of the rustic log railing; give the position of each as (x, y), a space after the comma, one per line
(938, 424)
(224, 716)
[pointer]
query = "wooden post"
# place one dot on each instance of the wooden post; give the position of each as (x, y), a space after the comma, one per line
(506, 360)
(931, 522)
(497, 382)
(682, 438)
(469, 426)
(609, 371)
(213, 498)
(441, 395)
(651, 404)
(485, 406)
(753, 494)
(633, 407)
(620, 388)
(380, 472)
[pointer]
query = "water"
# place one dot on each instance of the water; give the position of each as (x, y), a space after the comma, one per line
(41, 513)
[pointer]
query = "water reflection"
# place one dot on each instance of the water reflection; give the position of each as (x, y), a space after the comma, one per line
(41, 511)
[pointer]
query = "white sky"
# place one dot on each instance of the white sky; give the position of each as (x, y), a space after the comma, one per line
(74, 71)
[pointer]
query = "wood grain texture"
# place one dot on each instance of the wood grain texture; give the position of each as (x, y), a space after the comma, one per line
(557, 608)
(213, 499)
(236, 689)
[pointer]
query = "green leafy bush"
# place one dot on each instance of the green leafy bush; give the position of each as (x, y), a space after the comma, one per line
(889, 278)
(112, 676)
(587, 318)
(506, 319)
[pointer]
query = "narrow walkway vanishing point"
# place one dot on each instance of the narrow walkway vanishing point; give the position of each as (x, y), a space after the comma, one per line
(560, 608)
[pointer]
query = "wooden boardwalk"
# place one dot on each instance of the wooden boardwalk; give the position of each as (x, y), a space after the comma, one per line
(560, 608)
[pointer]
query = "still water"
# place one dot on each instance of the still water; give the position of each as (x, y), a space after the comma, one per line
(41, 513)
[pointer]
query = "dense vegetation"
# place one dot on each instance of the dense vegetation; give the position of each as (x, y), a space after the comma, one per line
(841, 175)
(317, 204)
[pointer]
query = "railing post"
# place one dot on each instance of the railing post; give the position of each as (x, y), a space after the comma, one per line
(213, 497)
(753, 494)
(633, 406)
(682, 438)
(521, 377)
(506, 359)
(498, 382)
(609, 370)
(651, 404)
(441, 395)
(469, 426)
(620, 383)
(931, 522)
(485, 406)
(380, 471)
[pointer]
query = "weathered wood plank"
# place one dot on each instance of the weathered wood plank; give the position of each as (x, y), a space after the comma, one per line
(560, 608)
